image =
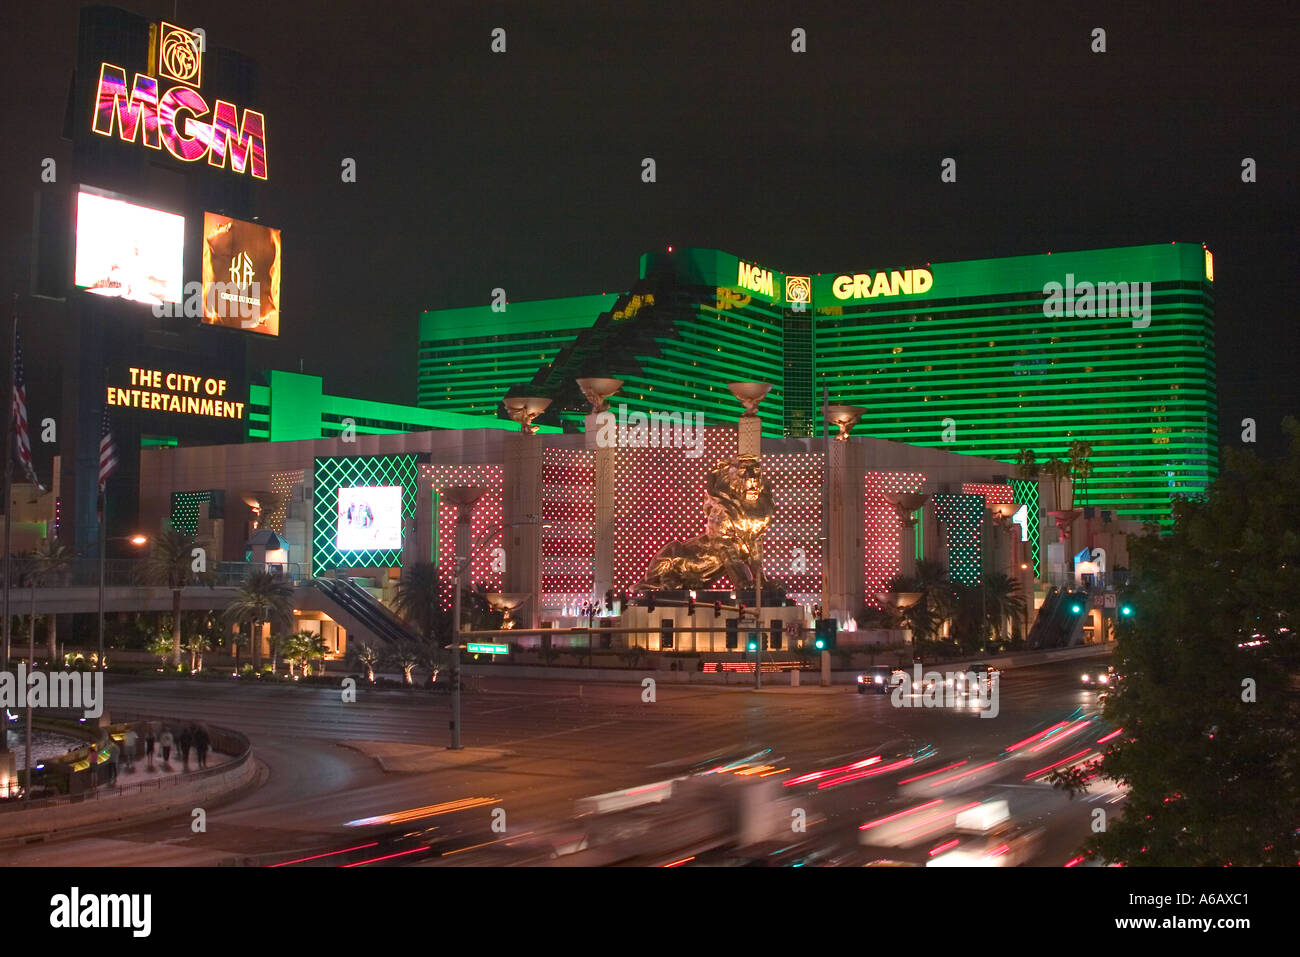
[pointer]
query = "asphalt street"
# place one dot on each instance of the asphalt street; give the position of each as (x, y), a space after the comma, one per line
(535, 746)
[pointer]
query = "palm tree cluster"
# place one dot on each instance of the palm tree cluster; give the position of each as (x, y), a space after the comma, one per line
(263, 597)
(971, 615)
(299, 650)
(177, 561)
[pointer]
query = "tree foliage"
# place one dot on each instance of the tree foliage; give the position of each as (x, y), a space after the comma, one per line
(1213, 776)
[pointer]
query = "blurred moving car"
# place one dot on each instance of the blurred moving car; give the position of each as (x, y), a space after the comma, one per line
(1100, 677)
(1005, 846)
(879, 679)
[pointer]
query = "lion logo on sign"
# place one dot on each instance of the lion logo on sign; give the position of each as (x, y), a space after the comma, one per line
(737, 510)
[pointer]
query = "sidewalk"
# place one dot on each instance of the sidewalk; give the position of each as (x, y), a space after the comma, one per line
(142, 774)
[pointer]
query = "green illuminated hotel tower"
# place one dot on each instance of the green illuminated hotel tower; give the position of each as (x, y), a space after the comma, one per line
(986, 357)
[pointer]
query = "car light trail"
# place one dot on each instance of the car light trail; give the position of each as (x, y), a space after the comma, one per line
(316, 857)
(929, 773)
(869, 772)
(958, 777)
(462, 850)
(432, 810)
(816, 775)
(937, 820)
(946, 845)
(1035, 737)
(1075, 756)
(684, 860)
(387, 857)
(1105, 738)
(1078, 726)
(894, 817)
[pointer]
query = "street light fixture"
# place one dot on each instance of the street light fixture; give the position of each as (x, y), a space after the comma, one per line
(136, 539)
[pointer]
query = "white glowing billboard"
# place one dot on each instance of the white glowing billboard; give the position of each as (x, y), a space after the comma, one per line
(126, 251)
(370, 518)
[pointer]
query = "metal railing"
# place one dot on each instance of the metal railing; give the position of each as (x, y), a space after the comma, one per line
(222, 740)
(132, 572)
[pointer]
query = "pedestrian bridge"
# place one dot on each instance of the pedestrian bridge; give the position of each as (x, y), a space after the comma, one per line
(363, 616)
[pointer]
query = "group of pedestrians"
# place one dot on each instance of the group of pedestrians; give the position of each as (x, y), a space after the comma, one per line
(191, 736)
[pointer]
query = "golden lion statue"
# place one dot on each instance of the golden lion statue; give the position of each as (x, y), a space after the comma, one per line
(737, 511)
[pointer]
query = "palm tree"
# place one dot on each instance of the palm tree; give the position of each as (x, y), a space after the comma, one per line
(1081, 467)
(1059, 471)
(196, 643)
(367, 657)
(171, 563)
(934, 607)
(52, 559)
(1027, 466)
(419, 600)
(408, 656)
(279, 645)
(313, 648)
(262, 597)
(1002, 601)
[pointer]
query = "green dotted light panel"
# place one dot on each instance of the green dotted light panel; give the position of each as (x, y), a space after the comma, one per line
(962, 516)
(1026, 492)
(368, 471)
(185, 510)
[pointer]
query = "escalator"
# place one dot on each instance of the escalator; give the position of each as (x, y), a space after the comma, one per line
(364, 616)
(1058, 624)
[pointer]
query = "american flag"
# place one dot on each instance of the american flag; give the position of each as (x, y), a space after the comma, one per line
(107, 453)
(20, 418)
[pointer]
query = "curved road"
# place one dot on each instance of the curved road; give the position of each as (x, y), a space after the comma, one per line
(546, 743)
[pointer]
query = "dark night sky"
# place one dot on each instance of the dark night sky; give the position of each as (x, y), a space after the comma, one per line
(522, 170)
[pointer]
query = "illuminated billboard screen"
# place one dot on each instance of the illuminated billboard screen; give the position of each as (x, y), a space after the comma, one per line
(241, 275)
(126, 251)
(369, 518)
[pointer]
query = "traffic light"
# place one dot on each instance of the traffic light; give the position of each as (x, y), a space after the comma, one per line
(690, 605)
(622, 601)
(650, 601)
(1076, 608)
(665, 633)
(733, 634)
(775, 642)
(825, 634)
(609, 600)
(1126, 611)
(717, 609)
(753, 642)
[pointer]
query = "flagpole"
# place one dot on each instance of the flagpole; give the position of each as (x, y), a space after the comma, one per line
(9, 514)
(103, 540)
(8, 484)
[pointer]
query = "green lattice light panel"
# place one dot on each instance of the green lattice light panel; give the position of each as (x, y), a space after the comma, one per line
(962, 516)
(334, 473)
(185, 510)
(1026, 492)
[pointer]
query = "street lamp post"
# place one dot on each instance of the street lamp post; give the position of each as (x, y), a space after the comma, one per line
(103, 543)
(464, 498)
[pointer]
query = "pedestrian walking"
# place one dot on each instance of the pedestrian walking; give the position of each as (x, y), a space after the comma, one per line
(201, 742)
(186, 740)
(149, 742)
(165, 742)
(128, 749)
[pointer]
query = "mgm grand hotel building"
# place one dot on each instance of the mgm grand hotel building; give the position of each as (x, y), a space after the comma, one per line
(1114, 347)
